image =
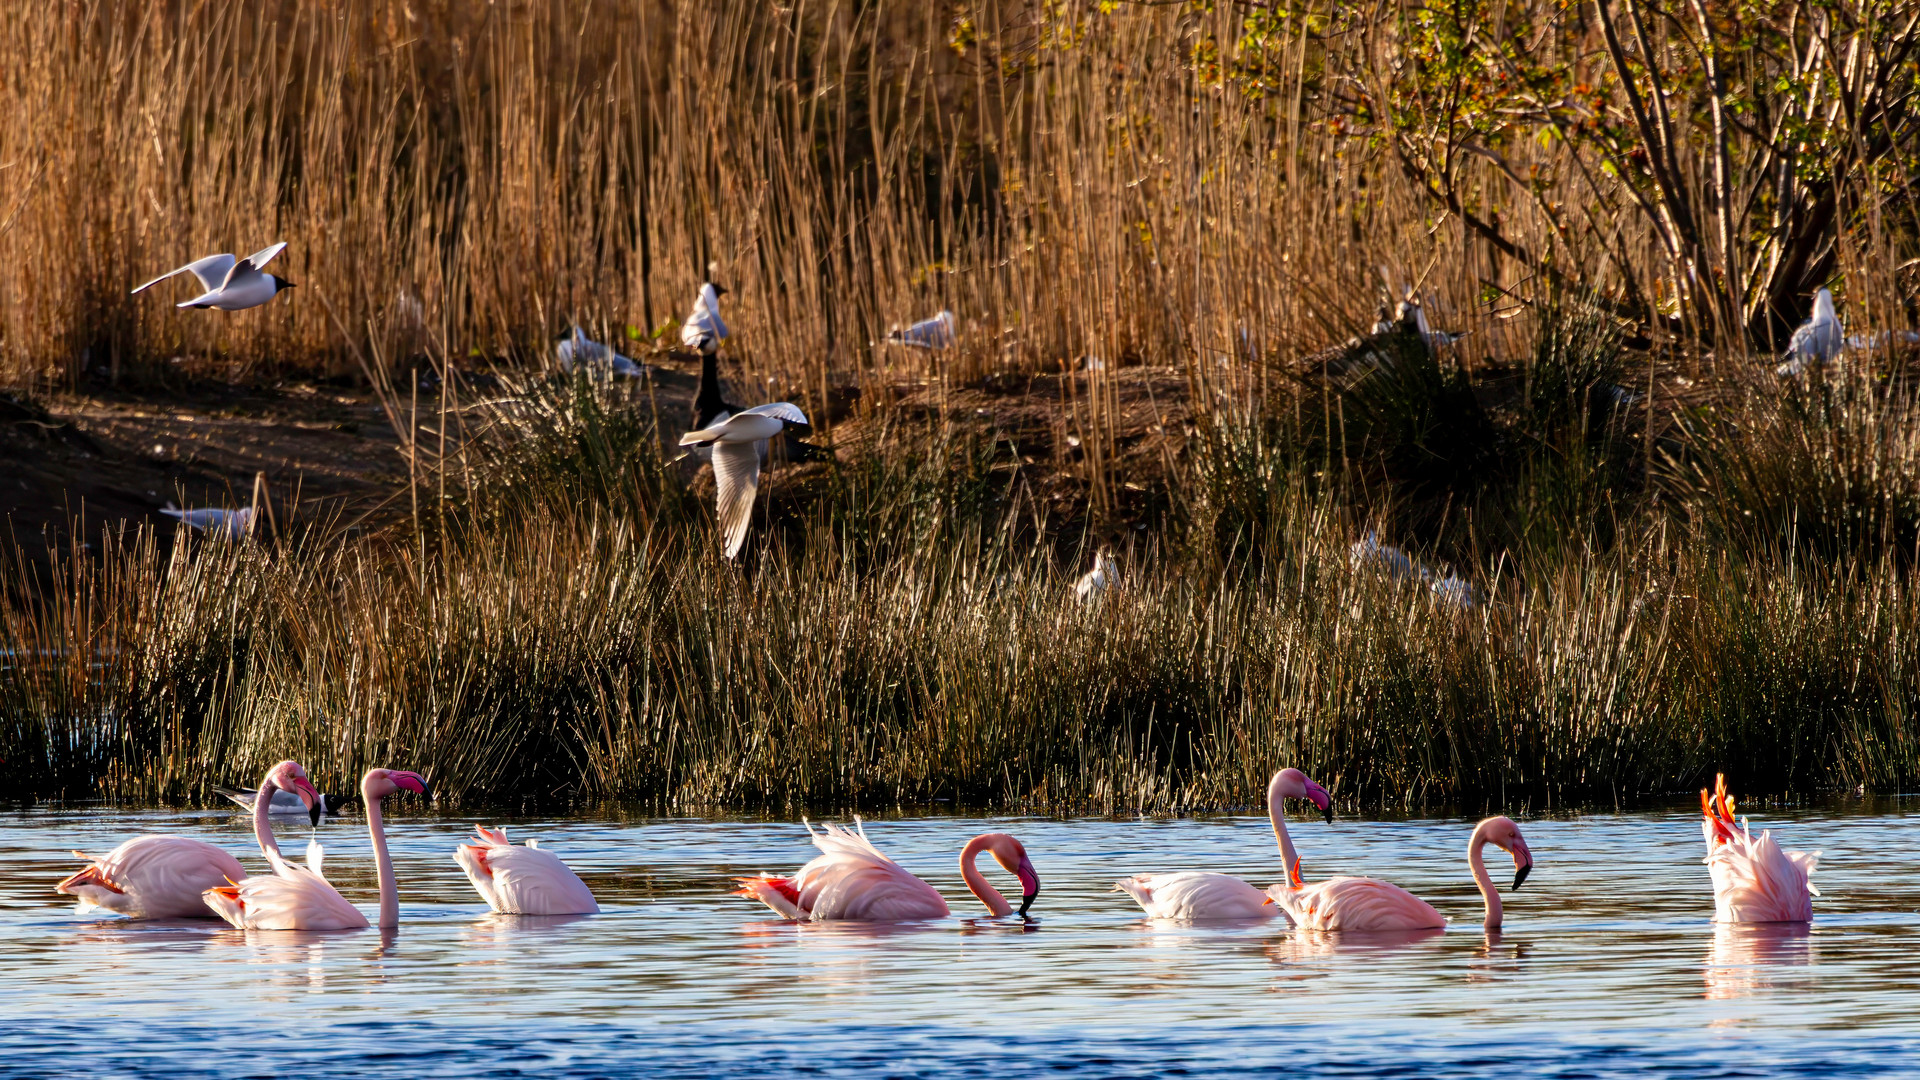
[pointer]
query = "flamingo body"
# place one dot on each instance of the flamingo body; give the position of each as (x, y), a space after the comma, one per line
(1196, 896)
(293, 897)
(524, 880)
(1754, 880)
(1200, 895)
(1367, 905)
(849, 880)
(1355, 903)
(153, 877)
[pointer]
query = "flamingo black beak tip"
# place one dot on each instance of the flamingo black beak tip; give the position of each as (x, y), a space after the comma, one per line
(1520, 876)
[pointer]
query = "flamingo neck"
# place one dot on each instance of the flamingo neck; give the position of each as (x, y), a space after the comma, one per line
(383, 863)
(263, 822)
(977, 882)
(1277, 813)
(1488, 892)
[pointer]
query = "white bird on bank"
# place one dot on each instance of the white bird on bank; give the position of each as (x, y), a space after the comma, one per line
(232, 524)
(704, 328)
(1817, 341)
(1455, 591)
(1094, 583)
(934, 333)
(1371, 554)
(230, 285)
(577, 348)
(738, 443)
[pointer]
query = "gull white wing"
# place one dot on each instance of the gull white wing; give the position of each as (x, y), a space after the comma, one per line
(211, 271)
(783, 410)
(252, 264)
(736, 477)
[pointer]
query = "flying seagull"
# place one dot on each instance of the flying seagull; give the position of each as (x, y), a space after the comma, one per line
(934, 333)
(704, 328)
(1817, 341)
(213, 521)
(737, 442)
(710, 407)
(229, 285)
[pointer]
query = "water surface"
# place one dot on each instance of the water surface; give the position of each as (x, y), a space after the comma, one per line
(1608, 966)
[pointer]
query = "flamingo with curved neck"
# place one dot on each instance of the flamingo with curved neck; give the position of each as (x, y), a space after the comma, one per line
(1366, 904)
(851, 880)
(375, 786)
(1207, 895)
(296, 897)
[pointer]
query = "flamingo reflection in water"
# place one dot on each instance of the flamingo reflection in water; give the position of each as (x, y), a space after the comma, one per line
(1753, 958)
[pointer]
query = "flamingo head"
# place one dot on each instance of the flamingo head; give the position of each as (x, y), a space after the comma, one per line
(1502, 833)
(380, 783)
(290, 776)
(1012, 857)
(1294, 784)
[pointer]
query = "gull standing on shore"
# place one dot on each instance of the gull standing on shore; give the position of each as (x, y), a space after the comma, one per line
(738, 442)
(214, 521)
(229, 285)
(576, 347)
(1817, 341)
(704, 328)
(1094, 583)
(934, 333)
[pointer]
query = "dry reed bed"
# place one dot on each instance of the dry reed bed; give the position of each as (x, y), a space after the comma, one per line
(573, 658)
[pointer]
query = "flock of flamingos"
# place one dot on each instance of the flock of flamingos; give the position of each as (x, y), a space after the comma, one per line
(158, 877)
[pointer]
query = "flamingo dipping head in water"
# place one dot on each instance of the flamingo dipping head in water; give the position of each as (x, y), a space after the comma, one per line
(1754, 881)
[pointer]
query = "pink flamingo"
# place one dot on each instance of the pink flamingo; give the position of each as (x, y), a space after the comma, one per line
(1206, 895)
(1753, 880)
(528, 880)
(153, 877)
(1364, 904)
(851, 880)
(296, 897)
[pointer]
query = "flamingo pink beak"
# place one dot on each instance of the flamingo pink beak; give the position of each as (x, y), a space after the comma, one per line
(1029, 883)
(304, 788)
(1523, 863)
(1318, 796)
(408, 781)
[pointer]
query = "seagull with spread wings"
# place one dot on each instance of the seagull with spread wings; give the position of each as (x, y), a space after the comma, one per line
(230, 285)
(738, 442)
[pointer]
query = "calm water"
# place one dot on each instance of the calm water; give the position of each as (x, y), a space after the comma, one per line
(1609, 965)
